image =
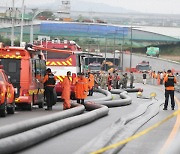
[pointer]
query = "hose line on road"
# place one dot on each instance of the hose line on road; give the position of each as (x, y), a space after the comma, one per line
(125, 100)
(39, 121)
(108, 96)
(136, 135)
(26, 139)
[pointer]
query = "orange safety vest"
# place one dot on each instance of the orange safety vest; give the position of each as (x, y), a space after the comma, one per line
(171, 87)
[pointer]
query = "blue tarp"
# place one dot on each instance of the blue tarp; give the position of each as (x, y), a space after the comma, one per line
(80, 29)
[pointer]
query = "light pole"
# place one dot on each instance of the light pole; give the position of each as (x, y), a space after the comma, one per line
(114, 49)
(131, 51)
(12, 29)
(122, 58)
(105, 53)
(22, 20)
(35, 13)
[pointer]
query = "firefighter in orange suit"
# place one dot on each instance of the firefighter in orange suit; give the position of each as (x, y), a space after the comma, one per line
(169, 82)
(49, 82)
(66, 91)
(90, 83)
(81, 89)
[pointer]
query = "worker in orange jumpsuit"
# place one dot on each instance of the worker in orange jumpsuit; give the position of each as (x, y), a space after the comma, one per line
(81, 89)
(49, 84)
(66, 91)
(169, 82)
(158, 78)
(90, 83)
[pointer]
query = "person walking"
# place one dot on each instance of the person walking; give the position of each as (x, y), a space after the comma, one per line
(169, 82)
(103, 81)
(144, 78)
(66, 91)
(49, 82)
(109, 82)
(131, 79)
(81, 89)
(124, 81)
(90, 83)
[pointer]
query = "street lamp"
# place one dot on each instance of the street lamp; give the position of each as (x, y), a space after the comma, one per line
(22, 20)
(35, 13)
(12, 29)
(131, 50)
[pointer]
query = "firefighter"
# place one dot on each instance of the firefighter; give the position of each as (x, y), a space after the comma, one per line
(116, 81)
(169, 82)
(66, 91)
(109, 81)
(144, 77)
(131, 79)
(49, 82)
(90, 83)
(81, 88)
(124, 81)
(103, 81)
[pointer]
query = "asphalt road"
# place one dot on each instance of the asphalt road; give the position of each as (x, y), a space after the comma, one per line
(152, 142)
(71, 141)
(157, 64)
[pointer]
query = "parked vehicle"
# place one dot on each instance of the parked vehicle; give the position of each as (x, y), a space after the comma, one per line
(26, 67)
(7, 104)
(152, 51)
(143, 66)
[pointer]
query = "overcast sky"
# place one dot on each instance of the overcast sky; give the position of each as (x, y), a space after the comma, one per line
(146, 6)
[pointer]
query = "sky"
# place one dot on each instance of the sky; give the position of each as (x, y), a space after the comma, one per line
(145, 6)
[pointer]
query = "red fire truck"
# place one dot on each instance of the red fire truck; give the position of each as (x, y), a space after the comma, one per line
(143, 66)
(25, 67)
(62, 56)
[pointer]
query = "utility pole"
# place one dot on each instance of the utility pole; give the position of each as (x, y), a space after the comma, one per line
(22, 22)
(131, 51)
(105, 53)
(114, 49)
(12, 29)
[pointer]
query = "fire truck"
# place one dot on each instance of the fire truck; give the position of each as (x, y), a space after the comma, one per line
(61, 57)
(143, 66)
(26, 68)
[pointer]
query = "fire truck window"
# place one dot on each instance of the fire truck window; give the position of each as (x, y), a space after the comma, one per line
(33, 67)
(43, 67)
(37, 67)
(57, 55)
(12, 67)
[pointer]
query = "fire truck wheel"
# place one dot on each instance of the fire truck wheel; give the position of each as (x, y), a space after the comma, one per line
(11, 109)
(30, 105)
(3, 109)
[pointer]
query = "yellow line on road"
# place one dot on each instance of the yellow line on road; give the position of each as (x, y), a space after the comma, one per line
(174, 130)
(136, 135)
